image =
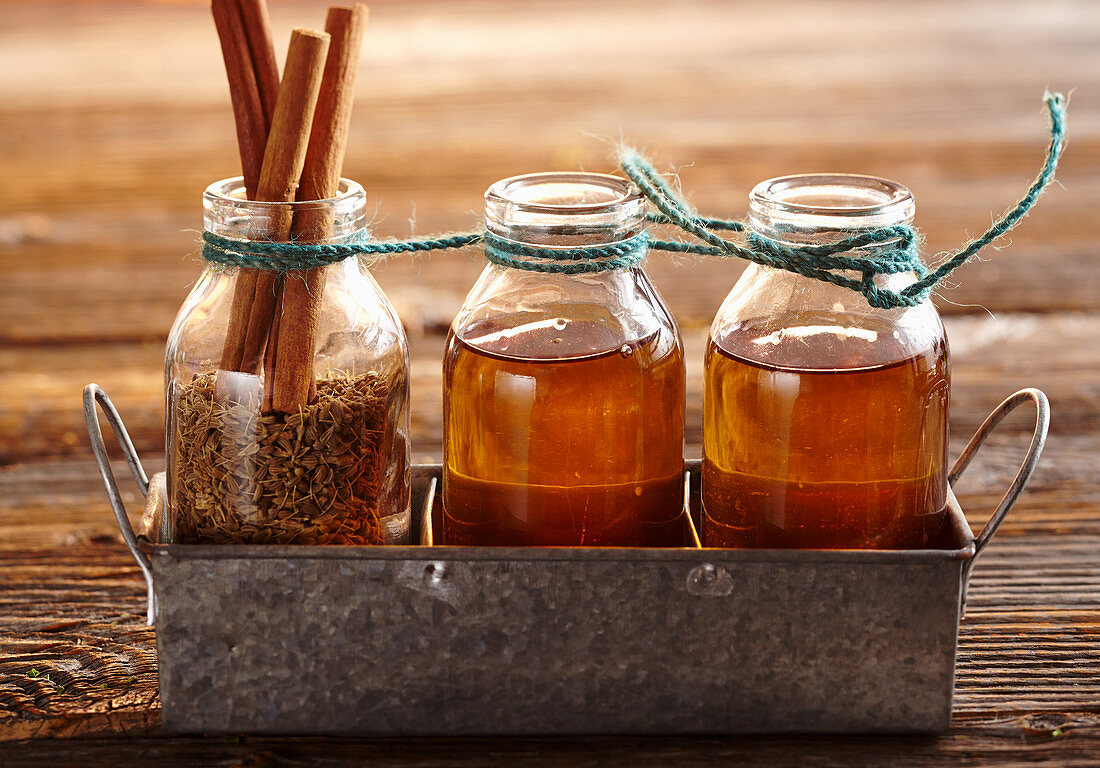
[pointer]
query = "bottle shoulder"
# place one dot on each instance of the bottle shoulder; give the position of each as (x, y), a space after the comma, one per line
(541, 316)
(356, 328)
(779, 319)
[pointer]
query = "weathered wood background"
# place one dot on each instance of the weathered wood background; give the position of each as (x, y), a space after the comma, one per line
(114, 117)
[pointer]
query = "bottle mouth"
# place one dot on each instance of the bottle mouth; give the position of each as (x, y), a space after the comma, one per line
(231, 191)
(564, 208)
(228, 212)
(563, 193)
(827, 203)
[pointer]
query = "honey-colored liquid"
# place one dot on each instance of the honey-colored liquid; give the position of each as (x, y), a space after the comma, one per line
(577, 450)
(797, 456)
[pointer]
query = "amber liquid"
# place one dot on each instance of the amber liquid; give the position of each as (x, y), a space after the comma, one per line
(577, 450)
(797, 456)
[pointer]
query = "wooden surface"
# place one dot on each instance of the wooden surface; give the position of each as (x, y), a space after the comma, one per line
(114, 120)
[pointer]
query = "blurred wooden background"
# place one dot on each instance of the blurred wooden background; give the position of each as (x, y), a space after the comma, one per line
(115, 116)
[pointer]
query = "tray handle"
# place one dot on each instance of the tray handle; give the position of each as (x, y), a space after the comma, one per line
(1027, 467)
(94, 394)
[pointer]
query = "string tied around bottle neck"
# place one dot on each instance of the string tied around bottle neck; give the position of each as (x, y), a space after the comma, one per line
(273, 256)
(867, 253)
(570, 260)
(283, 257)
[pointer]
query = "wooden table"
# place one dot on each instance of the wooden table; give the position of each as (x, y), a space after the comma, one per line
(115, 119)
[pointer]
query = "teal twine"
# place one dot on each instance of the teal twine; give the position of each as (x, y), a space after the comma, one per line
(828, 263)
(290, 257)
(823, 262)
(566, 261)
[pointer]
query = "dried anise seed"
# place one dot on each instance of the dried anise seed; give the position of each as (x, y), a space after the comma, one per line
(306, 478)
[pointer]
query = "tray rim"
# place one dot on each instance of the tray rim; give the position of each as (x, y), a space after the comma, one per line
(658, 555)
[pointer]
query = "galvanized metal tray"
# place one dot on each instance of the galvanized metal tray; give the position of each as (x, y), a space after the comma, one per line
(436, 640)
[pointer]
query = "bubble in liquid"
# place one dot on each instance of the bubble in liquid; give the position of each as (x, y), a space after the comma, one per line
(560, 323)
(626, 350)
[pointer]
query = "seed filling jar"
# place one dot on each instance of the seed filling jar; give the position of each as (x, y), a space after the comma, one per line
(825, 420)
(563, 391)
(327, 460)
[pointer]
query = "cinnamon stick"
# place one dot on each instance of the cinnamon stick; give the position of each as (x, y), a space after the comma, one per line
(289, 363)
(245, 33)
(282, 168)
(252, 120)
(257, 28)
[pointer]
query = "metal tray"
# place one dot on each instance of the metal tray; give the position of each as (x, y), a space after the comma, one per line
(435, 640)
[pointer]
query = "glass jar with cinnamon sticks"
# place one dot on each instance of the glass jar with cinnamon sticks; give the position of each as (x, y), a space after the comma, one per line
(287, 383)
(288, 449)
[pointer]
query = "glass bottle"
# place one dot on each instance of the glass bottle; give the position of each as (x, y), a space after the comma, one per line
(333, 470)
(825, 420)
(563, 395)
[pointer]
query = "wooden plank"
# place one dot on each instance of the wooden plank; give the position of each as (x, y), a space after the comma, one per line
(992, 358)
(162, 264)
(1012, 743)
(440, 129)
(428, 290)
(60, 503)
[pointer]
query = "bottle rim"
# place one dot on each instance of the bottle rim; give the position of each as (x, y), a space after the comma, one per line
(228, 213)
(818, 208)
(823, 194)
(231, 191)
(509, 192)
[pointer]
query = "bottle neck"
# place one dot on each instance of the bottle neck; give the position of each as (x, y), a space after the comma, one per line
(226, 212)
(816, 209)
(564, 210)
